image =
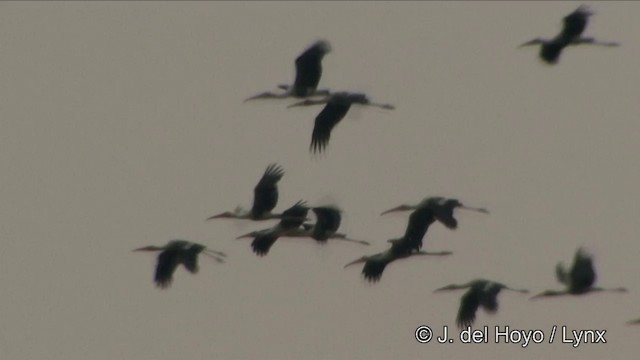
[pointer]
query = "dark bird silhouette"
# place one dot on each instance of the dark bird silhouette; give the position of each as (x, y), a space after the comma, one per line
(337, 106)
(325, 228)
(406, 246)
(265, 198)
(481, 293)
(308, 73)
(177, 252)
(579, 280)
(292, 219)
(328, 219)
(428, 211)
(571, 34)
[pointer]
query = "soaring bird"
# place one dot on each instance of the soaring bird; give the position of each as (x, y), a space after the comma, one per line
(400, 248)
(337, 106)
(426, 213)
(292, 219)
(579, 280)
(308, 73)
(481, 293)
(328, 219)
(177, 252)
(571, 34)
(265, 198)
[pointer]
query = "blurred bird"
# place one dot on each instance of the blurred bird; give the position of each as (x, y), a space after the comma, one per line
(292, 219)
(308, 73)
(177, 252)
(428, 211)
(265, 198)
(579, 280)
(571, 34)
(337, 106)
(481, 293)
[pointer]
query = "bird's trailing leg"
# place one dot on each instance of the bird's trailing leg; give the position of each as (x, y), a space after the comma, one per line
(480, 210)
(593, 41)
(433, 253)
(267, 95)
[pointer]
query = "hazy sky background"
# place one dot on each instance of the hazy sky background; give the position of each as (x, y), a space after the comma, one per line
(122, 125)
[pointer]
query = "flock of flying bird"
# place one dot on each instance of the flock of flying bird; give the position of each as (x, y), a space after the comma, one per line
(293, 222)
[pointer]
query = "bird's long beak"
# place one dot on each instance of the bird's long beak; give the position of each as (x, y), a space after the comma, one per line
(357, 241)
(398, 208)
(480, 210)
(448, 287)
(383, 106)
(247, 235)
(360, 260)
(146, 248)
(221, 215)
(532, 42)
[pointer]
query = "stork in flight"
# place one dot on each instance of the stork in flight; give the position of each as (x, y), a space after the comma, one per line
(265, 198)
(177, 252)
(406, 246)
(308, 73)
(292, 219)
(579, 280)
(435, 208)
(482, 293)
(571, 34)
(337, 106)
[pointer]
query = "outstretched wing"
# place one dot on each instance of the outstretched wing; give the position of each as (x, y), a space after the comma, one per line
(168, 261)
(327, 223)
(294, 216)
(468, 306)
(419, 222)
(575, 23)
(582, 274)
(265, 194)
(262, 243)
(329, 117)
(309, 69)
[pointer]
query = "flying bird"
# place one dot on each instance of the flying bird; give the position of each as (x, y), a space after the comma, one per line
(579, 279)
(292, 219)
(328, 219)
(177, 252)
(337, 106)
(308, 73)
(265, 198)
(481, 293)
(400, 248)
(436, 208)
(571, 34)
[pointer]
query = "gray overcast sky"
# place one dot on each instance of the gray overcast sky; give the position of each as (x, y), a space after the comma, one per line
(122, 125)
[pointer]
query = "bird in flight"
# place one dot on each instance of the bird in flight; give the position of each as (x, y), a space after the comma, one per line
(482, 293)
(265, 198)
(409, 244)
(336, 107)
(428, 211)
(579, 279)
(292, 219)
(177, 252)
(571, 34)
(308, 73)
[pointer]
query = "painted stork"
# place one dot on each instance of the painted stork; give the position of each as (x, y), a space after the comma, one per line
(292, 219)
(441, 207)
(308, 73)
(408, 245)
(337, 106)
(571, 34)
(265, 198)
(579, 280)
(482, 293)
(177, 252)
(328, 219)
